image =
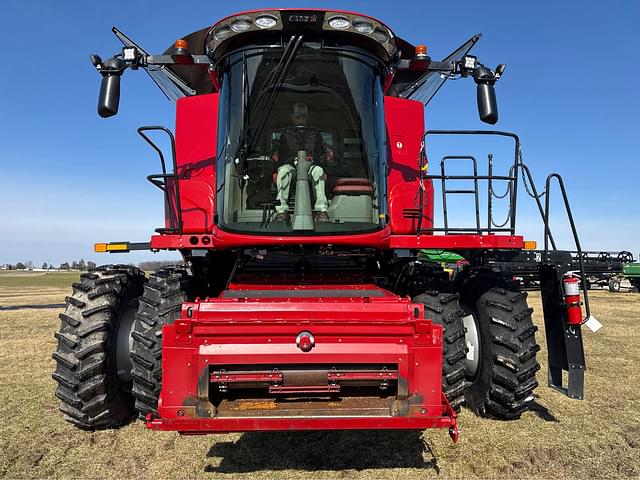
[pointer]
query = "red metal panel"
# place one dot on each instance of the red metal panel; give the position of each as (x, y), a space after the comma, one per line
(196, 133)
(221, 240)
(381, 239)
(223, 425)
(358, 331)
(405, 127)
(457, 242)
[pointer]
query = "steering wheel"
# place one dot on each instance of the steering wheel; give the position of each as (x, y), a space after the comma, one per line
(302, 130)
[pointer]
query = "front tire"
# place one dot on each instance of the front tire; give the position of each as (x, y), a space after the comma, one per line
(93, 383)
(505, 379)
(444, 309)
(159, 305)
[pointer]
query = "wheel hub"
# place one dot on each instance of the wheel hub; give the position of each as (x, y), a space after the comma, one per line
(124, 344)
(472, 339)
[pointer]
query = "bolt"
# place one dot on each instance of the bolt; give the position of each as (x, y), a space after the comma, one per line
(181, 413)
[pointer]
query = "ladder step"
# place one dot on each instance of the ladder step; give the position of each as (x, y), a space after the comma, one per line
(460, 191)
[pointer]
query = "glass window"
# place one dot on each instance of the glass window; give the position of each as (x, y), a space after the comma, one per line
(301, 141)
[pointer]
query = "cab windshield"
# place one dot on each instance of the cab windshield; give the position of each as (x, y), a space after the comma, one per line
(301, 141)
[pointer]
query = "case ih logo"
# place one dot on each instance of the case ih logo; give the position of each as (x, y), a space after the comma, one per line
(303, 18)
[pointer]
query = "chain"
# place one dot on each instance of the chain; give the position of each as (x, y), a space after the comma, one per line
(524, 179)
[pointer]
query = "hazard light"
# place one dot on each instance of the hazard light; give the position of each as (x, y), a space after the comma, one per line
(530, 245)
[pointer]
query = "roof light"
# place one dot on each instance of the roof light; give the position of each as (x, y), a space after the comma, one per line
(181, 44)
(241, 24)
(362, 26)
(339, 22)
(381, 35)
(266, 21)
(222, 33)
(421, 51)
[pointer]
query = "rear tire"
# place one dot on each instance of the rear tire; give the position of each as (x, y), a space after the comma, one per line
(503, 385)
(159, 305)
(444, 309)
(92, 393)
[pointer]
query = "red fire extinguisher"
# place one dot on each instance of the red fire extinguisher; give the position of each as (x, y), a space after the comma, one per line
(572, 299)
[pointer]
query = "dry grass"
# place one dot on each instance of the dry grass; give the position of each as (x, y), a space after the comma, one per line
(596, 438)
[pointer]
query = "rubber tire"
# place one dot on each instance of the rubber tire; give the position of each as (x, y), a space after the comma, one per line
(504, 383)
(159, 305)
(90, 393)
(444, 309)
(614, 285)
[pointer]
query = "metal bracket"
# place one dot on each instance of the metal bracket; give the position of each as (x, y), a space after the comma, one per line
(564, 342)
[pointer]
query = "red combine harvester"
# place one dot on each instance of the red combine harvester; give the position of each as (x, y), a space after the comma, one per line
(299, 198)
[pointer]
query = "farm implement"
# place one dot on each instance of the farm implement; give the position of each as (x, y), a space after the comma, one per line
(297, 191)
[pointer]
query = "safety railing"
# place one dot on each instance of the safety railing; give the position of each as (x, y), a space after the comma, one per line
(167, 182)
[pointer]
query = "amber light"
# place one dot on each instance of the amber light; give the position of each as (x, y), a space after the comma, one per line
(421, 50)
(181, 43)
(530, 245)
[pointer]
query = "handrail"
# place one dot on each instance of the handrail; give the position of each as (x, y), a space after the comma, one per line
(547, 234)
(165, 175)
(516, 161)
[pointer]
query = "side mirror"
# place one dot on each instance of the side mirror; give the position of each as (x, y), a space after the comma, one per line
(109, 99)
(487, 104)
(486, 95)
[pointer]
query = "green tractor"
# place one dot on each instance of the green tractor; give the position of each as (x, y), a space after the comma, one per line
(631, 271)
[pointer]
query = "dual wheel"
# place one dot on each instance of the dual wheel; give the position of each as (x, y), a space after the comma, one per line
(109, 354)
(489, 350)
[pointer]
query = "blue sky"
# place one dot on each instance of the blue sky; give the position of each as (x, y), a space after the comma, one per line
(70, 178)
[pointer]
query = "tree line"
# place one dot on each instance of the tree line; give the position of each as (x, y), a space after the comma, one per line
(82, 266)
(79, 265)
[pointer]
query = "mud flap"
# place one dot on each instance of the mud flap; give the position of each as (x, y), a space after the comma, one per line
(564, 342)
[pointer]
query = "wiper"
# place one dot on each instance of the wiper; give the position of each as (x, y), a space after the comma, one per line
(264, 105)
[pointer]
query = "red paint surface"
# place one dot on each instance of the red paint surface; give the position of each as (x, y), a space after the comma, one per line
(196, 135)
(405, 127)
(261, 333)
(381, 239)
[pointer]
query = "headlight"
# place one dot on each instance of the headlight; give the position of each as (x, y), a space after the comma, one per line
(339, 23)
(241, 25)
(266, 21)
(362, 26)
(222, 33)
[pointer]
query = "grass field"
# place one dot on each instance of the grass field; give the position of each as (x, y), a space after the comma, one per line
(596, 438)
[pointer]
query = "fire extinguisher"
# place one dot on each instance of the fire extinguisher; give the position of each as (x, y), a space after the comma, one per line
(572, 299)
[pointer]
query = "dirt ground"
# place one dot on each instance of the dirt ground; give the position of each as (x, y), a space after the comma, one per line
(595, 438)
